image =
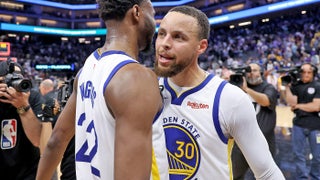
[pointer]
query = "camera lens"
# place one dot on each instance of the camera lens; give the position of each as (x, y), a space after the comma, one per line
(22, 85)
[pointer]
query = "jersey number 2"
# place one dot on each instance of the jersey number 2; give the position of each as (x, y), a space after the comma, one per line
(84, 155)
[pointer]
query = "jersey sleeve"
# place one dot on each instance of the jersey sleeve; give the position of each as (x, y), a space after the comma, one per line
(239, 122)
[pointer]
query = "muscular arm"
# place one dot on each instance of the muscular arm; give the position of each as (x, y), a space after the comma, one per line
(260, 98)
(46, 131)
(32, 127)
(133, 97)
(313, 106)
(62, 133)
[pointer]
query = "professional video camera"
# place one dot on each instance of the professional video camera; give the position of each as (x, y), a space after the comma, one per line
(14, 79)
(239, 73)
(292, 75)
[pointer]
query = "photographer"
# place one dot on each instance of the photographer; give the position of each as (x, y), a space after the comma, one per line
(51, 106)
(54, 102)
(264, 99)
(20, 127)
(304, 99)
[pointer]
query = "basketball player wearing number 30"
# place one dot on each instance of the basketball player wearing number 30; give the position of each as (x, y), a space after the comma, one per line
(202, 113)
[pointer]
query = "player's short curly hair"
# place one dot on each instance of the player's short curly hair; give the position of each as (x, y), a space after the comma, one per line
(115, 9)
(203, 22)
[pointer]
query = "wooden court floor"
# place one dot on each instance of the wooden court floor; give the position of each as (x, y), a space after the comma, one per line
(284, 116)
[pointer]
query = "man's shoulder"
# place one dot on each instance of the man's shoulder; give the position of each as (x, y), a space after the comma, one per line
(137, 69)
(51, 94)
(35, 97)
(316, 82)
(34, 93)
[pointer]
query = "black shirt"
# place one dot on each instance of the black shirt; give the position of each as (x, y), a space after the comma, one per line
(266, 115)
(306, 92)
(18, 157)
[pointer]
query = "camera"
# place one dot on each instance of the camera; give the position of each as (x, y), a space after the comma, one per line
(292, 76)
(48, 110)
(16, 80)
(239, 73)
(65, 91)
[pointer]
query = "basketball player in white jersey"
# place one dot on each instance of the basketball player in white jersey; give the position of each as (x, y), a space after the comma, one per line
(114, 104)
(202, 113)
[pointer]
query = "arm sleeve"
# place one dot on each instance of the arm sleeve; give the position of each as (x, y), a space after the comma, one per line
(272, 95)
(36, 101)
(239, 121)
(317, 85)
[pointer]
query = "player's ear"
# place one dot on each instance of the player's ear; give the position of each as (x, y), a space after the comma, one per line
(136, 11)
(203, 45)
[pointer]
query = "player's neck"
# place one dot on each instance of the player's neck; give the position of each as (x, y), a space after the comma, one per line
(125, 46)
(189, 78)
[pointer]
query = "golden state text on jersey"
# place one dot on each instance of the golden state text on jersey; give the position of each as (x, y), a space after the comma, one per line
(196, 146)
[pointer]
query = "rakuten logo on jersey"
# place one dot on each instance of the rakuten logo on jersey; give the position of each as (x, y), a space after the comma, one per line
(195, 105)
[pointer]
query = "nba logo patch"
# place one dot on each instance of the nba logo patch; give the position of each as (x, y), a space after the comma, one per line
(311, 90)
(9, 133)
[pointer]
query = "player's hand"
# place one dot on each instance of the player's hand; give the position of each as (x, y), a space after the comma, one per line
(17, 99)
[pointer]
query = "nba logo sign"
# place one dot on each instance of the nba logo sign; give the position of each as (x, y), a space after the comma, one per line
(9, 133)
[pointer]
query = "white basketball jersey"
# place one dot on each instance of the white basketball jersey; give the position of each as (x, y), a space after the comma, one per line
(95, 126)
(196, 146)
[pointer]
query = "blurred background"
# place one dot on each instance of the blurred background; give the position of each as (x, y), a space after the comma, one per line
(52, 38)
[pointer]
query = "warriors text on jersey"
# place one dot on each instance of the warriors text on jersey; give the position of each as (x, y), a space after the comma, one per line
(95, 146)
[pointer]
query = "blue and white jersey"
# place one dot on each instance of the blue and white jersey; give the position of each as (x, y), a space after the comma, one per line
(201, 124)
(95, 126)
(196, 146)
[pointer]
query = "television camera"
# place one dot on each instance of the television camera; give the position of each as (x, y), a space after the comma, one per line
(239, 73)
(292, 76)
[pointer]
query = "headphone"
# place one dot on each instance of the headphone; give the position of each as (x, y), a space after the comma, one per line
(261, 71)
(314, 69)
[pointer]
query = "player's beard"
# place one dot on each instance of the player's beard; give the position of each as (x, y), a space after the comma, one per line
(171, 70)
